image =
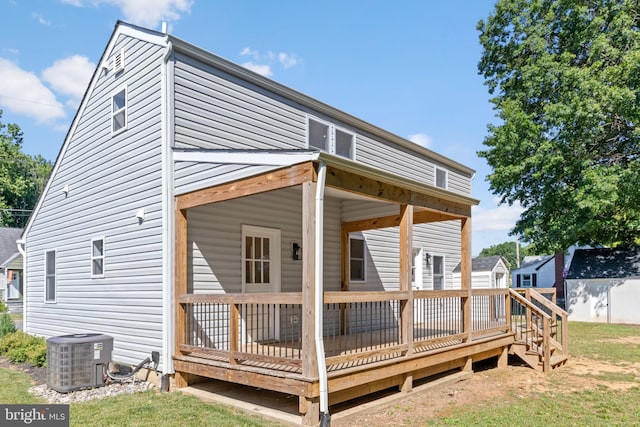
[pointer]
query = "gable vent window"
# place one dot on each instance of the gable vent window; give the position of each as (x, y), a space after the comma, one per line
(117, 64)
(119, 111)
(326, 137)
(441, 178)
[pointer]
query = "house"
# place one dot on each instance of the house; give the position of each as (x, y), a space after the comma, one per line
(541, 271)
(255, 235)
(603, 285)
(486, 272)
(11, 279)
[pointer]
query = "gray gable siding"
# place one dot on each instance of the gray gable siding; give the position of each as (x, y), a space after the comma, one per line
(110, 178)
(214, 110)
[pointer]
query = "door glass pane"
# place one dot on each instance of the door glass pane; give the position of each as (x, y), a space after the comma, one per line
(258, 248)
(248, 247)
(258, 275)
(247, 272)
(265, 248)
(265, 272)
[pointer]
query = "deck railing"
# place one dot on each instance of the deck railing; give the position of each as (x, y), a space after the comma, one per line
(359, 327)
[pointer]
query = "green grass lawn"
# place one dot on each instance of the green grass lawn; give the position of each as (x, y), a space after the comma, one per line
(601, 406)
(596, 406)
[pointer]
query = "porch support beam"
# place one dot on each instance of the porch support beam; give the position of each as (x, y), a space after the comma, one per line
(406, 245)
(359, 184)
(309, 360)
(180, 280)
(420, 217)
(465, 271)
(272, 180)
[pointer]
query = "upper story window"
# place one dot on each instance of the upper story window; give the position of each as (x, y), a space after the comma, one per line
(119, 111)
(526, 280)
(441, 178)
(97, 257)
(326, 137)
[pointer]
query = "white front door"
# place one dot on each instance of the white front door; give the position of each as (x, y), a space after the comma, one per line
(260, 274)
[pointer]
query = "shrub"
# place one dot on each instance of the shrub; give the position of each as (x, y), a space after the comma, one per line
(3, 307)
(20, 347)
(6, 324)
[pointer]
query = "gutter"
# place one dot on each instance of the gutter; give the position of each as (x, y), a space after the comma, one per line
(21, 243)
(325, 418)
(167, 220)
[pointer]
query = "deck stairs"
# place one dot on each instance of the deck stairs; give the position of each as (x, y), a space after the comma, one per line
(541, 330)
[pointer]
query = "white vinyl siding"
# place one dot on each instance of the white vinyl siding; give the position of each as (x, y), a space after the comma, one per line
(110, 177)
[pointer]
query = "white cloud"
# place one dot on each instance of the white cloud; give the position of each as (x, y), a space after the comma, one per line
(421, 139)
(262, 62)
(262, 69)
(498, 218)
(148, 13)
(41, 19)
(287, 60)
(22, 92)
(70, 77)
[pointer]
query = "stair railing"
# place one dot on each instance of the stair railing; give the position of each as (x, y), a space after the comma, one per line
(532, 326)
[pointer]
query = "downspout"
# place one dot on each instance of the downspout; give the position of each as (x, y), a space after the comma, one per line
(325, 418)
(21, 243)
(167, 222)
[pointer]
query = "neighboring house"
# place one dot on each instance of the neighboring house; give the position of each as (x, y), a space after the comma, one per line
(603, 285)
(11, 278)
(232, 224)
(541, 271)
(486, 272)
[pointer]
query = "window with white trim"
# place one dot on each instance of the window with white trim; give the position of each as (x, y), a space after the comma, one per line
(526, 280)
(327, 137)
(441, 178)
(97, 257)
(438, 272)
(50, 276)
(119, 111)
(416, 268)
(357, 256)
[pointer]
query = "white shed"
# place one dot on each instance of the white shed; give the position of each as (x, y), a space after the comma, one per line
(486, 272)
(603, 285)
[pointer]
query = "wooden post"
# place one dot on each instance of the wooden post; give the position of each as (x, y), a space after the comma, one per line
(309, 361)
(180, 287)
(234, 336)
(503, 358)
(465, 270)
(406, 247)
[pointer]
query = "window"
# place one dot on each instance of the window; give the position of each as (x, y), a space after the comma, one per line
(438, 272)
(526, 280)
(357, 265)
(119, 111)
(97, 257)
(257, 260)
(50, 276)
(441, 178)
(327, 137)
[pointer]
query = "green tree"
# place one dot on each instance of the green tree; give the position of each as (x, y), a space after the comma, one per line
(565, 75)
(507, 250)
(22, 177)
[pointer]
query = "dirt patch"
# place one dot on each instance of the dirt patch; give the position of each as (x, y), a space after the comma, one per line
(623, 340)
(489, 385)
(38, 375)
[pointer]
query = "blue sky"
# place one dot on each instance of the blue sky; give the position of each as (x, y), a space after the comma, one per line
(408, 66)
